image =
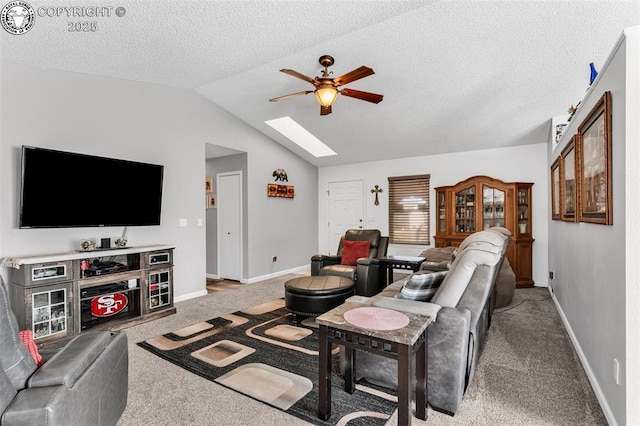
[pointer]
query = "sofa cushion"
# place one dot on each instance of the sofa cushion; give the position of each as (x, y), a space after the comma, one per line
(462, 269)
(346, 271)
(495, 239)
(7, 391)
(354, 250)
(421, 285)
(439, 254)
(501, 230)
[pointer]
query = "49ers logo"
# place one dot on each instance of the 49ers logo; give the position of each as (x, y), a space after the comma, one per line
(109, 304)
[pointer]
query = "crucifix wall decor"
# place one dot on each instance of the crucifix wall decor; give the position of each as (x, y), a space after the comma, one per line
(376, 190)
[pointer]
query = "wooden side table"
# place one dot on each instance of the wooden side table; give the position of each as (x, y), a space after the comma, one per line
(400, 344)
(400, 262)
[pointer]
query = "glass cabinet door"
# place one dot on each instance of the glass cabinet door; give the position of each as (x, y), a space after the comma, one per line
(493, 207)
(442, 223)
(524, 214)
(465, 210)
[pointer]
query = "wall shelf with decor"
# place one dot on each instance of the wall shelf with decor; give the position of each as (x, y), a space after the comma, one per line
(61, 295)
(482, 202)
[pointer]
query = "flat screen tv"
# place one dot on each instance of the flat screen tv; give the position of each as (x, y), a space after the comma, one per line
(68, 190)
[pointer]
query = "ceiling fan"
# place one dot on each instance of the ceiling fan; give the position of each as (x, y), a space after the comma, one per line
(326, 88)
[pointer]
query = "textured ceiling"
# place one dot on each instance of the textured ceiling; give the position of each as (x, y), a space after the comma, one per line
(455, 75)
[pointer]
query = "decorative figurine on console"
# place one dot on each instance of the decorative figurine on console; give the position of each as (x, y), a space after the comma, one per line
(121, 241)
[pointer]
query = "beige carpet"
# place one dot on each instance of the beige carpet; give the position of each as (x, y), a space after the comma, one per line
(529, 373)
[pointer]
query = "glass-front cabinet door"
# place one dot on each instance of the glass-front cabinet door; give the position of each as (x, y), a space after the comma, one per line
(493, 207)
(524, 211)
(465, 210)
(442, 210)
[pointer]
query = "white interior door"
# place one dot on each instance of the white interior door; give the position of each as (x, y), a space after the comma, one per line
(346, 209)
(229, 192)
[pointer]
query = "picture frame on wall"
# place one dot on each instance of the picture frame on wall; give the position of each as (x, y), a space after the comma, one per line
(595, 164)
(556, 195)
(212, 202)
(569, 182)
(208, 184)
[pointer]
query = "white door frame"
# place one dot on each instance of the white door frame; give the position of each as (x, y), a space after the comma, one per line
(241, 248)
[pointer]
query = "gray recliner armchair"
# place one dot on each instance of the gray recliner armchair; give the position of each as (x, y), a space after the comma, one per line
(84, 383)
(366, 274)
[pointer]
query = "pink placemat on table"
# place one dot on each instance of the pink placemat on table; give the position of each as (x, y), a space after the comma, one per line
(376, 318)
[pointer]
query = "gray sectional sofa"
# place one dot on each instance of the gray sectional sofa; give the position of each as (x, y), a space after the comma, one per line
(461, 308)
(84, 383)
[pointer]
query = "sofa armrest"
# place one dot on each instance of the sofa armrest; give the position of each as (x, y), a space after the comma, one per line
(328, 258)
(368, 279)
(368, 261)
(66, 366)
(435, 266)
(319, 261)
(410, 306)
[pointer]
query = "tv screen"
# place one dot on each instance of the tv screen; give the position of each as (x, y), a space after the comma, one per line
(67, 190)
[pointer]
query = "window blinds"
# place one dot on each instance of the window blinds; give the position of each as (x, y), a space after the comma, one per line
(409, 210)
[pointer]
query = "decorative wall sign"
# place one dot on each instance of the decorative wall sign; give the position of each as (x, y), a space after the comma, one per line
(212, 202)
(376, 190)
(208, 184)
(568, 181)
(595, 164)
(281, 191)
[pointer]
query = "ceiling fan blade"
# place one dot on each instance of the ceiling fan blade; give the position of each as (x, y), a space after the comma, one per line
(325, 110)
(301, 76)
(291, 95)
(353, 76)
(365, 96)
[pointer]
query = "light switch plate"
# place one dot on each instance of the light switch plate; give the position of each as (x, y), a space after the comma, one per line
(182, 223)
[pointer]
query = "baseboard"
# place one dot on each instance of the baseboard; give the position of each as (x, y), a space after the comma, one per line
(190, 296)
(213, 276)
(608, 414)
(299, 269)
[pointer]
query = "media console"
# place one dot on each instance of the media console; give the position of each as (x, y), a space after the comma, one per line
(61, 295)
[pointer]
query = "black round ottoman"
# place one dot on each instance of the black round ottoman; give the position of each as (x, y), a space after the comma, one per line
(313, 296)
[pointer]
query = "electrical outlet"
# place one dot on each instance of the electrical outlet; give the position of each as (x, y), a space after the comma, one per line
(616, 371)
(552, 275)
(274, 259)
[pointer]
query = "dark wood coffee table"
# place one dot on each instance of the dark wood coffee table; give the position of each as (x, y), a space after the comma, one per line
(400, 262)
(399, 344)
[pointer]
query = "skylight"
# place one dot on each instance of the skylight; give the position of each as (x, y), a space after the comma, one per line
(300, 136)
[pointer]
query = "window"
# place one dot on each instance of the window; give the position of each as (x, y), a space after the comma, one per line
(409, 210)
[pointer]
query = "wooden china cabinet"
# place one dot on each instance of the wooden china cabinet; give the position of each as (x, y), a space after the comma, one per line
(481, 202)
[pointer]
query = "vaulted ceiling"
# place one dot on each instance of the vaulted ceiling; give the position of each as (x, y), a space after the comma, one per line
(455, 75)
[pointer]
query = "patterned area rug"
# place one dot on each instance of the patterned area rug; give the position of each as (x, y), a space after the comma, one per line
(261, 354)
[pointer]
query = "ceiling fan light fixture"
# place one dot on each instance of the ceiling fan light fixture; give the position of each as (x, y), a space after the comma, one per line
(326, 95)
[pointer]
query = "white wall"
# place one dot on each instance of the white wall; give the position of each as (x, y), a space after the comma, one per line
(596, 284)
(156, 124)
(516, 164)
